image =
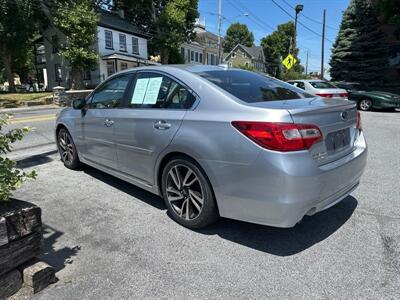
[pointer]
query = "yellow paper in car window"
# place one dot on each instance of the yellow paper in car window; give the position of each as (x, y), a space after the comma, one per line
(153, 88)
(140, 90)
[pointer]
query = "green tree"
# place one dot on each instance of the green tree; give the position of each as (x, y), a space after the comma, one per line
(391, 12)
(77, 20)
(11, 177)
(278, 45)
(169, 22)
(359, 52)
(238, 34)
(19, 20)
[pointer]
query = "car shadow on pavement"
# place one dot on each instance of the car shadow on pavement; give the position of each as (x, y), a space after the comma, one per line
(35, 160)
(277, 241)
(126, 187)
(286, 241)
(57, 258)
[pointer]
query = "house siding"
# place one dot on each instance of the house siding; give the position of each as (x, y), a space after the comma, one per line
(239, 58)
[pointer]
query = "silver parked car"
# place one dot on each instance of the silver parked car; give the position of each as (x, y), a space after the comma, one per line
(320, 88)
(215, 141)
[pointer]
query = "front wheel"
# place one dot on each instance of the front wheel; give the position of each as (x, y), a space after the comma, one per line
(67, 149)
(365, 104)
(187, 194)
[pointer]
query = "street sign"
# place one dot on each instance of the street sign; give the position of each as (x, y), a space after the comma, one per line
(289, 61)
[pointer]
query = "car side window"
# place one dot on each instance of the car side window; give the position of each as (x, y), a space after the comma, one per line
(152, 90)
(301, 85)
(111, 93)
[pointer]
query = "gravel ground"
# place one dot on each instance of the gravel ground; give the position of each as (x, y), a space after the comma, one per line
(110, 240)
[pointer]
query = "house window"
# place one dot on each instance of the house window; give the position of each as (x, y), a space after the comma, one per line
(122, 42)
(191, 55)
(135, 45)
(110, 68)
(109, 39)
(247, 64)
(233, 55)
(201, 57)
(188, 56)
(58, 72)
(212, 59)
(196, 56)
(86, 75)
(183, 52)
(124, 66)
(54, 43)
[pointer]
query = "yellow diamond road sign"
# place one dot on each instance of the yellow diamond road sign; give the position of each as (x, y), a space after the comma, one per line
(289, 61)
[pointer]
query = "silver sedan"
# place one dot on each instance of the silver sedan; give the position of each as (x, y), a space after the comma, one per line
(214, 141)
(320, 88)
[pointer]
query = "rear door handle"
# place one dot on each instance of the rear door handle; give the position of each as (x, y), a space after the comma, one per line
(108, 123)
(162, 125)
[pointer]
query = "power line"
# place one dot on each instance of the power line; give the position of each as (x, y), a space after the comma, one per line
(255, 21)
(252, 15)
(305, 26)
(308, 18)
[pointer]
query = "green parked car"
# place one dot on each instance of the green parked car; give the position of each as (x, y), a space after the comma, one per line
(367, 99)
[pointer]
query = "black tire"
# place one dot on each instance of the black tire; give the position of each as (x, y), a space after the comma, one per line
(199, 187)
(365, 104)
(67, 149)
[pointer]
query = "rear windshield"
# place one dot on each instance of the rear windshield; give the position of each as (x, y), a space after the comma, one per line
(322, 85)
(253, 87)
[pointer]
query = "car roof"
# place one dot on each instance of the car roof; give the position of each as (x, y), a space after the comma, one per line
(186, 67)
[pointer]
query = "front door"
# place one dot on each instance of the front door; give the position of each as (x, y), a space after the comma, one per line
(98, 121)
(154, 112)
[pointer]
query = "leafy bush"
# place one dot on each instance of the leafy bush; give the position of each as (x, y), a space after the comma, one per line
(11, 177)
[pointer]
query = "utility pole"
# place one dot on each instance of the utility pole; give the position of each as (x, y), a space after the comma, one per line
(219, 29)
(323, 45)
(307, 64)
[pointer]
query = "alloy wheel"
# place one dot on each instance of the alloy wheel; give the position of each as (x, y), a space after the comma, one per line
(66, 147)
(184, 192)
(365, 104)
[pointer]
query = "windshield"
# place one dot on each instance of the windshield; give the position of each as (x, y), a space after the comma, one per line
(252, 87)
(322, 85)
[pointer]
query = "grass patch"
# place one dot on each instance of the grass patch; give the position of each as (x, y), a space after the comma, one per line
(22, 99)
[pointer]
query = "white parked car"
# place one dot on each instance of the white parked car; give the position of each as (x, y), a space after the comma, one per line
(320, 88)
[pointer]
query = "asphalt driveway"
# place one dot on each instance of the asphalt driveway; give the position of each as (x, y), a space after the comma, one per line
(108, 239)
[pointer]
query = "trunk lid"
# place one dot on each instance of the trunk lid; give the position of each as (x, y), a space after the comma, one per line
(336, 119)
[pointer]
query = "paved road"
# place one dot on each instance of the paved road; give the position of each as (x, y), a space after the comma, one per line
(111, 240)
(42, 121)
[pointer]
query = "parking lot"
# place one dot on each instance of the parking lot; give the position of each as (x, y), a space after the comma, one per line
(108, 239)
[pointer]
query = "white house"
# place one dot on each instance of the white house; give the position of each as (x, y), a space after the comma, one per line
(120, 46)
(203, 49)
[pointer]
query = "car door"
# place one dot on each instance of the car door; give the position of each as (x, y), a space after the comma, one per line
(98, 119)
(155, 108)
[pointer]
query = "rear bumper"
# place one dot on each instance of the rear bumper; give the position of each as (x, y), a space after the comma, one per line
(279, 189)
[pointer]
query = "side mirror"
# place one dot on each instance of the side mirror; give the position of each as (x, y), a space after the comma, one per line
(78, 103)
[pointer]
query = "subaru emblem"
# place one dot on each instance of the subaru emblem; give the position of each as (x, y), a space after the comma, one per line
(344, 115)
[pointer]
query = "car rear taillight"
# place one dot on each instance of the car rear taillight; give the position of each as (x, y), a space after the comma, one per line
(358, 124)
(324, 95)
(280, 136)
(344, 95)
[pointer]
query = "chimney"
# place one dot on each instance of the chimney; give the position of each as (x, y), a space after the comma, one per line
(121, 13)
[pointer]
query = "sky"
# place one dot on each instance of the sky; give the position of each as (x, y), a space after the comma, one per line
(264, 16)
